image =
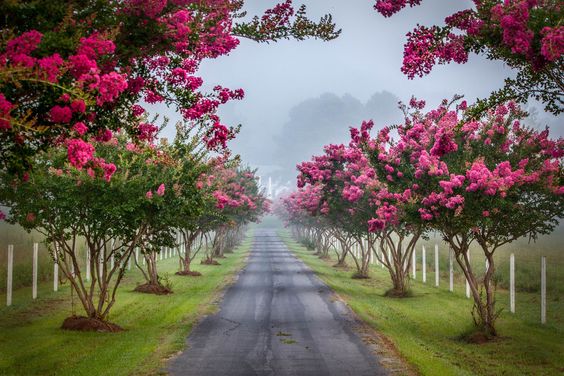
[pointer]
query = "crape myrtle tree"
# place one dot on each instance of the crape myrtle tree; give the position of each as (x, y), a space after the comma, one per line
(106, 207)
(295, 214)
(172, 202)
(395, 215)
(193, 210)
(83, 68)
(302, 210)
(490, 180)
(527, 35)
(346, 180)
(239, 201)
(318, 238)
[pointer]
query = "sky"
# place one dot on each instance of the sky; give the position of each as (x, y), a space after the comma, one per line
(303, 95)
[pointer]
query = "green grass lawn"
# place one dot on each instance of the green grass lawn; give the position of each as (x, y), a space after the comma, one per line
(31, 342)
(426, 328)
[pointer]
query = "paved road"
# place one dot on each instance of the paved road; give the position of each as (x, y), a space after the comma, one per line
(277, 319)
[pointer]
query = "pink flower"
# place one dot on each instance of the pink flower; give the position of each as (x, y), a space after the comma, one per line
(552, 44)
(50, 66)
(81, 65)
(78, 106)
(152, 97)
(352, 193)
(134, 85)
(149, 195)
(147, 132)
(110, 87)
(19, 48)
(80, 128)
(388, 7)
(5, 108)
(79, 152)
(161, 190)
(486, 213)
(109, 170)
(104, 136)
(94, 46)
(137, 110)
(60, 114)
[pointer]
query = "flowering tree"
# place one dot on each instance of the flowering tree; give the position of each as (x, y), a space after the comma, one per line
(112, 216)
(489, 180)
(297, 210)
(527, 35)
(173, 200)
(393, 208)
(346, 181)
(84, 70)
(239, 202)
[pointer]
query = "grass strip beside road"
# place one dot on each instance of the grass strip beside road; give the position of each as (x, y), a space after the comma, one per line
(31, 342)
(427, 327)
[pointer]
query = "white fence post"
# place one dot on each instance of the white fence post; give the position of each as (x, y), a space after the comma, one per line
(543, 290)
(10, 274)
(88, 264)
(450, 271)
(424, 264)
(55, 268)
(467, 283)
(113, 255)
(512, 283)
(437, 265)
(34, 284)
(414, 264)
(101, 263)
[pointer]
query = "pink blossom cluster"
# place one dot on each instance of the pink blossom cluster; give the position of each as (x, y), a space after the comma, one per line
(5, 109)
(389, 7)
(425, 48)
(517, 24)
(79, 152)
(234, 191)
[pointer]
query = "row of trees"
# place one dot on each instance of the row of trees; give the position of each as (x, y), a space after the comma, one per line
(489, 180)
(470, 173)
(78, 152)
(139, 205)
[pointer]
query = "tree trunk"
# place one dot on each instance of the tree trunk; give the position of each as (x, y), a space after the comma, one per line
(483, 312)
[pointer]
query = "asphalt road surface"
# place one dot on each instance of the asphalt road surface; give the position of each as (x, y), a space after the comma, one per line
(277, 319)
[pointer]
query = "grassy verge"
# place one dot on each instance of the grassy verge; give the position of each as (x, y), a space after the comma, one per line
(31, 342)
(427, 327)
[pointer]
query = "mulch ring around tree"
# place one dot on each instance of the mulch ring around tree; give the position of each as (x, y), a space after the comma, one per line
(86, 324)
(189, 273)
(210, 262)
(149, 288)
